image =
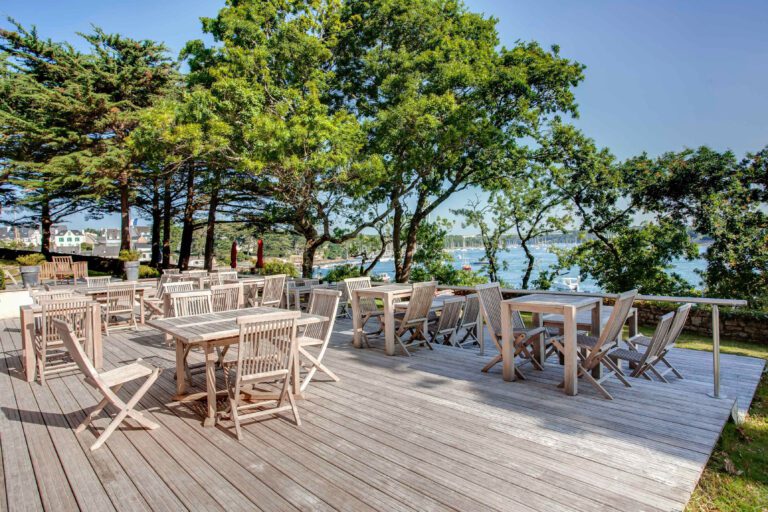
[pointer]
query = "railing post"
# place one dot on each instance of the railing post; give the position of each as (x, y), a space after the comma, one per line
(716, 351)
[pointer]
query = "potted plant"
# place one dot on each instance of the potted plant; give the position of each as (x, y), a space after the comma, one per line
(130, 261)
(30, 269)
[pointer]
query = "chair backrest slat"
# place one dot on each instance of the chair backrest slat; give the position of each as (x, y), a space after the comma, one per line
(450, 314)
(97, 282)
(681, 316)
(121, 296)
(360, 283)
(614, 325)
(471, 311)
(322, 302)
(273, 289)
(490, 298)
(73, 311)
(226, 297)
(659, 338)
(40, 297)
(267, 344)
(190, 303)
(420, 302)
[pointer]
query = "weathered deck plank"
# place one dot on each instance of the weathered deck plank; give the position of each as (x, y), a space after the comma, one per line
(428, 432)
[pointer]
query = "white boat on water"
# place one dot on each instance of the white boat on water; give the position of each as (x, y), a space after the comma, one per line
(568, 284)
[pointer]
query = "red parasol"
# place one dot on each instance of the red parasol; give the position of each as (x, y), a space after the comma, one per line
(233, 255)
(260, 254)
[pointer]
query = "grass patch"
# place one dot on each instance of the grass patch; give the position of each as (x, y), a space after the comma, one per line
(736, 477)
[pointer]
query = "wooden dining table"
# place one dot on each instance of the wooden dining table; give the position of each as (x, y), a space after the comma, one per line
(93, 342)
(99, 293)
(387, 294)
(568, 306)
(209, 331)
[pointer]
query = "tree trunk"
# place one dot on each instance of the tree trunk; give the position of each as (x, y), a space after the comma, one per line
(125, 216)
(397, 222)
(529, 268)
(410, 250)
(156, 221)
(308, 258)
(45, 221)
(167, 222)
(210, 230)
(187, 230)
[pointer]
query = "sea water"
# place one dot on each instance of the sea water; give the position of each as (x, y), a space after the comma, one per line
(544, 259)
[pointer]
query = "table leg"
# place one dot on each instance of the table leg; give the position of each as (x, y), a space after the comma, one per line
(389, 326)
(480, 333)
(633, 329)
(356, 320)
(27, 337)
(96, 339)
(141, 307)
(595, 329)
(507, 347)
(571, 359)
(211, 358)
(181, 382)
(539, 350)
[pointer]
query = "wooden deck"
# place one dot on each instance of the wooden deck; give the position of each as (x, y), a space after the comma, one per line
(428, 432)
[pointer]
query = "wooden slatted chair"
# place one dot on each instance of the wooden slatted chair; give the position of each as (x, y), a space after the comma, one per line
(79, 270)
(489, 296)
(266, 352)
(48, 271)
(39, 297)
(445, 325)
(108, 385)
(343, 301)
(63, 267)
(171, 271)
(50, 354)
(97, 282)
(592, 351)
(272, 294)
(642, 361)
(414, 320)
(322, 302)
(368, 308)
(121, 298)
(188, 304)
(469, 321)
(289, 296)
(681, 316)
(158, 305)
(226, 297)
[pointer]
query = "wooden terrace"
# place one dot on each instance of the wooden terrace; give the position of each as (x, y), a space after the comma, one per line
(429, 432)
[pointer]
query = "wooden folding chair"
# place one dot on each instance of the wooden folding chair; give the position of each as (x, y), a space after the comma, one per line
(469, 321)
(121, 298)
(368, 307)
(50, 354)
(266, 352)
(171, 271)
(97, 282)
(63, 267)
(445, 325)
(489, 296)
(322, 302)
(641, 362)
(414, 320)
(272, 293)
(108, 384)
(593, 350)
(226, 297)
(160, 304)
(681, 316)
(188, 304)
(79, 270)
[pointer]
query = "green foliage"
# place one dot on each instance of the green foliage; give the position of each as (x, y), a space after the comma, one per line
(2, 280)
(342, 272)
(721, 198)
(126, 255)
(146, 272)
(434, 263)
(31, 260)
(272, 267)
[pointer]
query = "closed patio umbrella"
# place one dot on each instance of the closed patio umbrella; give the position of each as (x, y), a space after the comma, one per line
(260, 254)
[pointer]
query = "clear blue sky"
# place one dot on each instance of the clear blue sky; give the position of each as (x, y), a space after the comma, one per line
(661, 75)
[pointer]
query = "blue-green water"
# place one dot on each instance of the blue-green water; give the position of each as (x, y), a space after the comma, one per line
(516, 263)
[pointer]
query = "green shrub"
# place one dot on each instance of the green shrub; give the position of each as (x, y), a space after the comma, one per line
(146, 272)
(2, 280)
(342, 272)
(272, 267)
(447, 274)
(126, 255)
(30, 260)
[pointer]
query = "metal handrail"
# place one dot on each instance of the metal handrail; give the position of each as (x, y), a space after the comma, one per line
(714, 302)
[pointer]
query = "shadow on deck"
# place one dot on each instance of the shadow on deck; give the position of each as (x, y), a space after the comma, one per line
(429, 432)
